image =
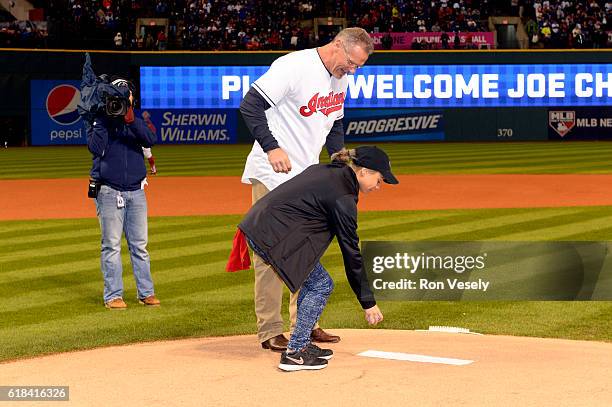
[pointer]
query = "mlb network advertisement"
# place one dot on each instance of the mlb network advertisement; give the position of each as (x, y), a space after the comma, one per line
(580, 123)
(55, 119)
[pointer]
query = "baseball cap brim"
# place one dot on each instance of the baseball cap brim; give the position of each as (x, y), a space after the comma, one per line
(389, 178)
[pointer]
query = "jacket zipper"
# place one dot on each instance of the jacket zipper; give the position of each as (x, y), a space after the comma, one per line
(125, 174)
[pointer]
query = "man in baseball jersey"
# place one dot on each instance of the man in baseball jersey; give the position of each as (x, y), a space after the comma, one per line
(292, 111)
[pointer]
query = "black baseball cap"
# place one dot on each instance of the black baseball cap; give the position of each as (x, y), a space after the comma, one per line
(374, 158)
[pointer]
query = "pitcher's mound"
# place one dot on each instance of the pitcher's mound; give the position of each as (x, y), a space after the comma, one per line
(235, 371)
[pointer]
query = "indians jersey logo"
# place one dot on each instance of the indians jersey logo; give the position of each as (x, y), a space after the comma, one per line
(62, 104)
(324, 104)
(562, 121)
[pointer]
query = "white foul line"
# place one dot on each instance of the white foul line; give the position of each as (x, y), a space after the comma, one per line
(414, 358)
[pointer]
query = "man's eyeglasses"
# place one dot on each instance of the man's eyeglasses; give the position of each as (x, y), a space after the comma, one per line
(349, 62)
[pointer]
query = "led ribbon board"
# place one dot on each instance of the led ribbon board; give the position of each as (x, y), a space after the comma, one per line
(395, 86)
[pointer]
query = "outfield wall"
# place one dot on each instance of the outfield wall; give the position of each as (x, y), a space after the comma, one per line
(192, 97)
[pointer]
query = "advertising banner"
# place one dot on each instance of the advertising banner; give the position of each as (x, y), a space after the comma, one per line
(579, 123)
(395, 86)
(405, 40)
(193, 126)
(53, 113)
(393, 125)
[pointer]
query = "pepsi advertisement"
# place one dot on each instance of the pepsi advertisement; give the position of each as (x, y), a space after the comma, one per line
(396, 86)
(54, 116)
(192, 126)
(365, 125)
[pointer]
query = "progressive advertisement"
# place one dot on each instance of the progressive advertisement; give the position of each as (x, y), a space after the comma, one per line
(364, 125)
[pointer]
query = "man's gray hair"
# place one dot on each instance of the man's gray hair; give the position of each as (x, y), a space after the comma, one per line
(356, 36)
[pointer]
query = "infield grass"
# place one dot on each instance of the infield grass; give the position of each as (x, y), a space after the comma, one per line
(51, 286)
(407, 158)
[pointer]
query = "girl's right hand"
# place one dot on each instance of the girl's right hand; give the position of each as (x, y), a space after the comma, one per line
(373, 315)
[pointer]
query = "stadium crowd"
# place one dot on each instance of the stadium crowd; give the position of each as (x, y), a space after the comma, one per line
(275, 25)
(569, 24)
(420, 15)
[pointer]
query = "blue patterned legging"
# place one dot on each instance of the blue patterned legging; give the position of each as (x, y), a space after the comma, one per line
(310, 304)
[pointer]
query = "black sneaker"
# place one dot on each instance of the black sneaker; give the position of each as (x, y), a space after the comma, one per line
(300, 360)
(313, 349)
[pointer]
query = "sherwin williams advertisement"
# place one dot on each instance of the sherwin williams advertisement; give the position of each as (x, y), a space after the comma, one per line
(192, 126)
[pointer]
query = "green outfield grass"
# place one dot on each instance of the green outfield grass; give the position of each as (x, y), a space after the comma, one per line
(407, 158)
(51, 286)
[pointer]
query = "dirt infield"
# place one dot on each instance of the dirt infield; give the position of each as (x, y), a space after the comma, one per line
(235, 371)
(178, 196)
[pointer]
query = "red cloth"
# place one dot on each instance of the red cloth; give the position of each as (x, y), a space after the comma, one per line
(239, 257)
(129, 116)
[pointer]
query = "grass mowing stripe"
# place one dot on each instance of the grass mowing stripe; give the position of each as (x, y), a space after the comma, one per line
(539, 228)
(481, 156)
(374, 226)
(67, 267)
(85, 250)
(186, 284)
(61, 292)
(91, 236)
(603, 233)
(134, 325)
(560, 232)
(599, 318)
(159, 249)
(488, 218)
(10, 229)
(62, 162)
(39, 242)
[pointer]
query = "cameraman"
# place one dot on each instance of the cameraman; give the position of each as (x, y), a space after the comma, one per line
(115, 137)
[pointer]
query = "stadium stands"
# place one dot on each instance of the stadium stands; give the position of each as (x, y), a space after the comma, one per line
(569, 24)
(287, 24)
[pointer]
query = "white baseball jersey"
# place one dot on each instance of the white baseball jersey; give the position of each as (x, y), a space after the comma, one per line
(147, 152)
(305, 102)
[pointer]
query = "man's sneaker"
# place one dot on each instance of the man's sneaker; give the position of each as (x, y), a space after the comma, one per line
(151, 301)
(116, 304)
(300, 360)
(313, 349)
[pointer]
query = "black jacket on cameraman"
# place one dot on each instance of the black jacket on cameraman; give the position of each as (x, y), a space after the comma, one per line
(117, 151)
(296, 222)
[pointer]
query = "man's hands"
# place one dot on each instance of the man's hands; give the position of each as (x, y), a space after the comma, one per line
(129, 116)
(373, 315)
(279, 160)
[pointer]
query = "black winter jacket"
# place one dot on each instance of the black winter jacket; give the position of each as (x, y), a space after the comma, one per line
(295, 223)
(117, 151)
